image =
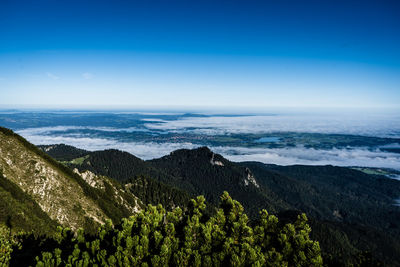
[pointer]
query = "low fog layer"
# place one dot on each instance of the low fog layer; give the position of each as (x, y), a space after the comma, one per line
(379, 125)
(281, 156)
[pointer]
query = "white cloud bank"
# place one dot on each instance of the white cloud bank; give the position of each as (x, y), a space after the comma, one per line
(369, 125)
(281, 156)
(142, 150)
(310, 156)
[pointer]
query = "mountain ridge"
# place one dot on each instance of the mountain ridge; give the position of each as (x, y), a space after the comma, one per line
(62, 194)
(339, 205)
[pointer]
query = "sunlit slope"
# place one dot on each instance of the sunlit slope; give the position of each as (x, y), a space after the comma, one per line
(63, 195)
(19, 212)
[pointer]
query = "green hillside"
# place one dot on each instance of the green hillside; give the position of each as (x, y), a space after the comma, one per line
(138, 177)
(65, 196)
(19, 212)
(351, 212)
(155, 237)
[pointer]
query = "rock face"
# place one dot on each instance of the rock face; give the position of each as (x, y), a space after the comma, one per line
(57, 193)
(250, 179)
(99, 182)
(92, 179)
(215, 162)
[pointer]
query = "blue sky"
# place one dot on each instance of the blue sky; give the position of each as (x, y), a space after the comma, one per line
(200, 53)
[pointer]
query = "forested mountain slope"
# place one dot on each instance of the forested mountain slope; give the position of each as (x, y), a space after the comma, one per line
(356, 209)
(350, 211)
(156, 237)
(63, 152)
(333, 192)
(201, 171)
(151, 185)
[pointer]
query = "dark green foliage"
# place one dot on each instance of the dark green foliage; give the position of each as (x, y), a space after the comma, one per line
(188, 171)
(63, 152)
(113, 163)
(155, 237)
(153, 192)
(195, 173)
(135, 174)
(350, 211)
(8, 243)
(19, 212)
(365, 217)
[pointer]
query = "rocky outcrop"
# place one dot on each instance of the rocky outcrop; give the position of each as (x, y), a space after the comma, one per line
(250, 179)
(57, 193)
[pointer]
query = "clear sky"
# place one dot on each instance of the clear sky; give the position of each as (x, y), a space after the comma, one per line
(282, 53)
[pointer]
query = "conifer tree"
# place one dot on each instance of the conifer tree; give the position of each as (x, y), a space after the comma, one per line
(155, 237)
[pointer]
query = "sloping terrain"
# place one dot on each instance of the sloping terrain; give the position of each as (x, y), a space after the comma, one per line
(68, 198)
(350, 211)
(201, 171)
(334, 192)
(63, 152)
(138, 177)
(348, 207)
(18, 211)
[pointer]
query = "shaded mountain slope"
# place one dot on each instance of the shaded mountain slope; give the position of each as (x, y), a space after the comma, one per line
(201, 171)
(332, 192)
(113, 163)
(355, 208)
(19, 212)
(350, 211)
(63, 152)
(137, 176)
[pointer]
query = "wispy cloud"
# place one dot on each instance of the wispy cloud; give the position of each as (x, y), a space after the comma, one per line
(87, 75)
(52, 76)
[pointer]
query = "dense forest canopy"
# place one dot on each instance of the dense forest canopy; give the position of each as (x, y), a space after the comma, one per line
(155, 237)
(350, 211)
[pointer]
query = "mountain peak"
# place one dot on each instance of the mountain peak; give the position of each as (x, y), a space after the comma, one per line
(195, 151)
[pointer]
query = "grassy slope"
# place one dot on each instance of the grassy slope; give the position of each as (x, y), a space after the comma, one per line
(20, 212)
(79, 195)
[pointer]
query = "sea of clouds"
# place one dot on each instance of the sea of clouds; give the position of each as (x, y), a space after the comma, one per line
(380, 125)
(144, 150)
(369, 125)
(282, 156)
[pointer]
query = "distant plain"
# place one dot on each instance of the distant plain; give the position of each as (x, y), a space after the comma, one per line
(364, 140)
